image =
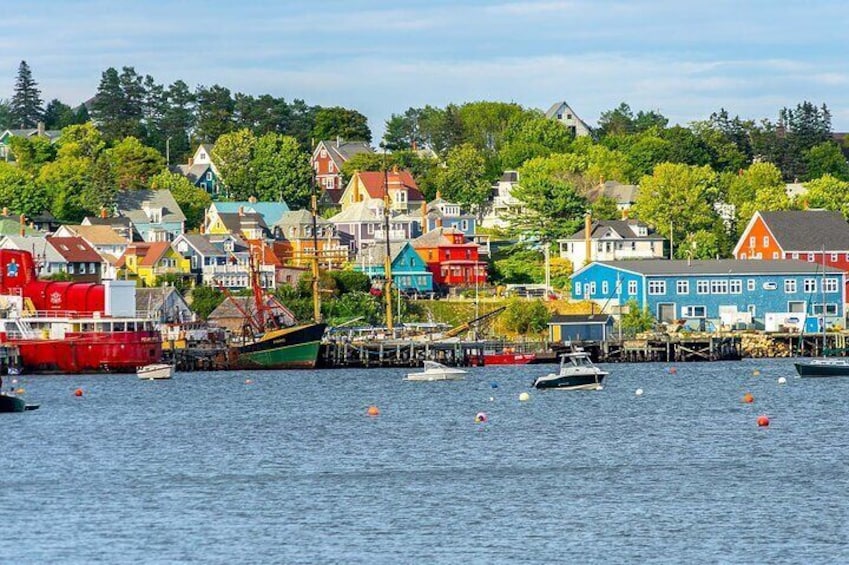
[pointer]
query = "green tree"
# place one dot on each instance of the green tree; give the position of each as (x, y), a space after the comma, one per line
(678, 196)
(19, 191)
(281, 170)
(760, 187)
(26, 107)
(441, 129)
(215, 113)
(605, 208)
(351, 281)
(550, 190)
(636, 319)
(67, 182)
(526, 316)
(134, 164)
(486, 123)
(529, 137)
(177, 120)
(32, 152)
(463, 180)
(403, 131)
(826, 159)
(193, 201)
(5, 115)
(117, 106)
(233, 153)
(647, 150)
(725, 155)
(82, 140)
(58, 115)
(205, 299)
(342, 122)
(828, 192)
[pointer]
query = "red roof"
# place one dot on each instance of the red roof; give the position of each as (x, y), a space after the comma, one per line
(155, 251)
(374, 182)
(75, 250)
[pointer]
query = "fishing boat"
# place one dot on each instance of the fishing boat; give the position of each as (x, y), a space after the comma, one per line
(434, 371)
(72, 327)
(155, 371)
(577, 372)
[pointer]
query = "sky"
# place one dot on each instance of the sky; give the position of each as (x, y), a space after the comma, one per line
(684, 59)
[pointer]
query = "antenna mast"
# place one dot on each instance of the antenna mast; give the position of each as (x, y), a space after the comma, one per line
(387, 262)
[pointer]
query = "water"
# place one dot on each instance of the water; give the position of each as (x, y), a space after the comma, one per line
(288, 469)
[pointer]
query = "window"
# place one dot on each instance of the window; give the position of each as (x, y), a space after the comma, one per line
(657, 287)
(830, 309)
(682, 287)
(796, 256)
(590, 288)
(750, 285)
(810, 257)
(735, 286)
(370, 228)
(810, 285)
(776, 255)
(578, 289)
(632, 288)
(330, 167)
(701, 287)
(834, 257)
(70, 268)
(719, 286)
(752, 241)
(464, 225)
(604, 288)
(209, 175)
(92, 269)
(766, 241)
(789, 286)
(693, 311)
(829, 285)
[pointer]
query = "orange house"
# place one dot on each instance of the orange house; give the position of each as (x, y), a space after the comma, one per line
(451, 257)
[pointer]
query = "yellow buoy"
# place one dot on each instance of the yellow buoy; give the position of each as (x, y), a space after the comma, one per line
(524, 397)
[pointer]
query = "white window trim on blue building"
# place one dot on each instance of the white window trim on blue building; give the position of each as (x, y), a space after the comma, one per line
(693, 311)
(789, 286)
(682, 287)
(702, 286)
(632, 288)
(657, 288)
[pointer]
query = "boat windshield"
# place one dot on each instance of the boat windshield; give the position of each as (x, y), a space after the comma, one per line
(433, 365)
(580, 360)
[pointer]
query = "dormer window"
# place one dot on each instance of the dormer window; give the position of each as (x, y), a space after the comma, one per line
(400, 196)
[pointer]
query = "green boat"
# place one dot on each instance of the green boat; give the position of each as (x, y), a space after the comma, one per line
(296, 347)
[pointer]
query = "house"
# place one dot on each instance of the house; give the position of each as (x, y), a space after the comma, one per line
(404, 194)
(201, 171)
(563, 113)
(441, 213)
(103, 239)
(119, 224)
(224, 260)
(48, 261)
(713, 294)
(296, 243)
(248, 225)
(503, 204)
(327, 160)
(252, 210)
(612, 240)
(580, 327)
(625, 195)
(816, 236)
(44, 221)
(16, 225)
(409, 271)
(164, 304)
(451, 257)
(38, 131)
(149, 261)
(154, 213)
(363, 224)
(82, 262)
(230, 314)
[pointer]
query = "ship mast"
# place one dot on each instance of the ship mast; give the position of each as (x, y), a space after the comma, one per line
(316, 299)
(387, 261)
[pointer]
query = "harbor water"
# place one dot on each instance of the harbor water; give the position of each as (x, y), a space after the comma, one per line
(286, 467)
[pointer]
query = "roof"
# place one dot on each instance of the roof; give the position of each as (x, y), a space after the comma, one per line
(567, 319)
(202, 244)
(437, 238)
(270, 211)
(192, 172)
(51, 134)
(152, 299)
(601, 229)
(722, 267)
(129, 204)
(99, 235)
(236, 222)
(376, 254)
(12, 226)
(340, 150)
(375, 181)
(228, 309)
(38, 245)
(362, 211)
(299, 218)
(615, 190)
(808, 230)
(510, 176)
(333, 195)
(155, 251)
(74, 249)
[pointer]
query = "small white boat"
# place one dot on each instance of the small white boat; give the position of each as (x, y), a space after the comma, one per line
(434, 371)
(155, 372)
(577, 372)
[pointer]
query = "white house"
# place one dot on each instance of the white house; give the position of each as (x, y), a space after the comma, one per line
(503, 203)
(563, 113)
(612, 240)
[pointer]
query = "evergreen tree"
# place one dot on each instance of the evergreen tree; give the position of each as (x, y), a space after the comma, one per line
(215, 113)
(5, 115)
(26, 105)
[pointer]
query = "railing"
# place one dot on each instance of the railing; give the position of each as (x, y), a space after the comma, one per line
(233, 269)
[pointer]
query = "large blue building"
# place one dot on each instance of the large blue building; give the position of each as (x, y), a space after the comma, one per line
(409, 271)
(719, 293)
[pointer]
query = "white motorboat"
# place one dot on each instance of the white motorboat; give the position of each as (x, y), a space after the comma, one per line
(155, 372)
(434, 371)
(577, 372)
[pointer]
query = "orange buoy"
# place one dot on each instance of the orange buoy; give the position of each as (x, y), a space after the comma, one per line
(19, 391)
(763, 421)
(78, 392)
(748, 398)
(672, 370)
(373, 411)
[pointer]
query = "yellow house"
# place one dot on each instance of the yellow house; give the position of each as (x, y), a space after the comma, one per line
(149, 261)
(404, 194)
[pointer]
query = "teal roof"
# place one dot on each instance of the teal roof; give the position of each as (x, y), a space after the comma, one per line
(271, 211)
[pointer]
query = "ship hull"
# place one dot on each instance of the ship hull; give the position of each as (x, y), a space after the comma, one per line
(118, 352)
(290, 348)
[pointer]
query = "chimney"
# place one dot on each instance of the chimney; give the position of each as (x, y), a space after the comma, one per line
(23, 225)
(424, 217)
(588, 228)
(103, 212)
(252, 199)
(624, 214)
(241, 210)
(414, 145)
(191, 161)
(40, 129)
(201, 229)
(338, 140)
(438, 194)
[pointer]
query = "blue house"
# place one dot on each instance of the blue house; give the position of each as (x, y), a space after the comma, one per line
(409, 271)
(714, 294)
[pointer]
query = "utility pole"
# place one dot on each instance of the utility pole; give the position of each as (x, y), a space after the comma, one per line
(387, 262)
(316, 298)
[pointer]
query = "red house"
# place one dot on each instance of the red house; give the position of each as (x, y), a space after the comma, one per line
(805, 235)
(328, 158)
(451, 257)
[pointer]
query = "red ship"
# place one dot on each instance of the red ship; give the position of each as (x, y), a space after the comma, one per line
(72, 327)
(508, 358)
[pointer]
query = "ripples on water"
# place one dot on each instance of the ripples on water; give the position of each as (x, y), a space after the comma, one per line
(288, 469)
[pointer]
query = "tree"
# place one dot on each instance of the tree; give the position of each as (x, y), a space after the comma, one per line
(282, 170)
(441, 129)
(529, 137)
(826, 159)
(550, 191)
(26, 105)
(233, 153)
(636, 319)
(828, 192)
(605, 208)
(134, 164)
(341, 122)
(404, 131)
(215, 113)
(67, 182)
(351, 281)
(618, 121)
(118, 104)
(193, 201)
(19, 191)
(177, 120)
(58, 115)
(32, 152)
(5, 115)
(463, 180)
(205, 299)
(725, 155)
(485, 123)
(647, 150)
(678, 197)
(82, 140)
(759, 187)
(526, 316)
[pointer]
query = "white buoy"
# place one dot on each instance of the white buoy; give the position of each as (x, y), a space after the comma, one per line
(782, 380)
(492, 399)
(524, 397)
(639, 392)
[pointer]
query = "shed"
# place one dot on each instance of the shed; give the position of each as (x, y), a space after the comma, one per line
(580, 327)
